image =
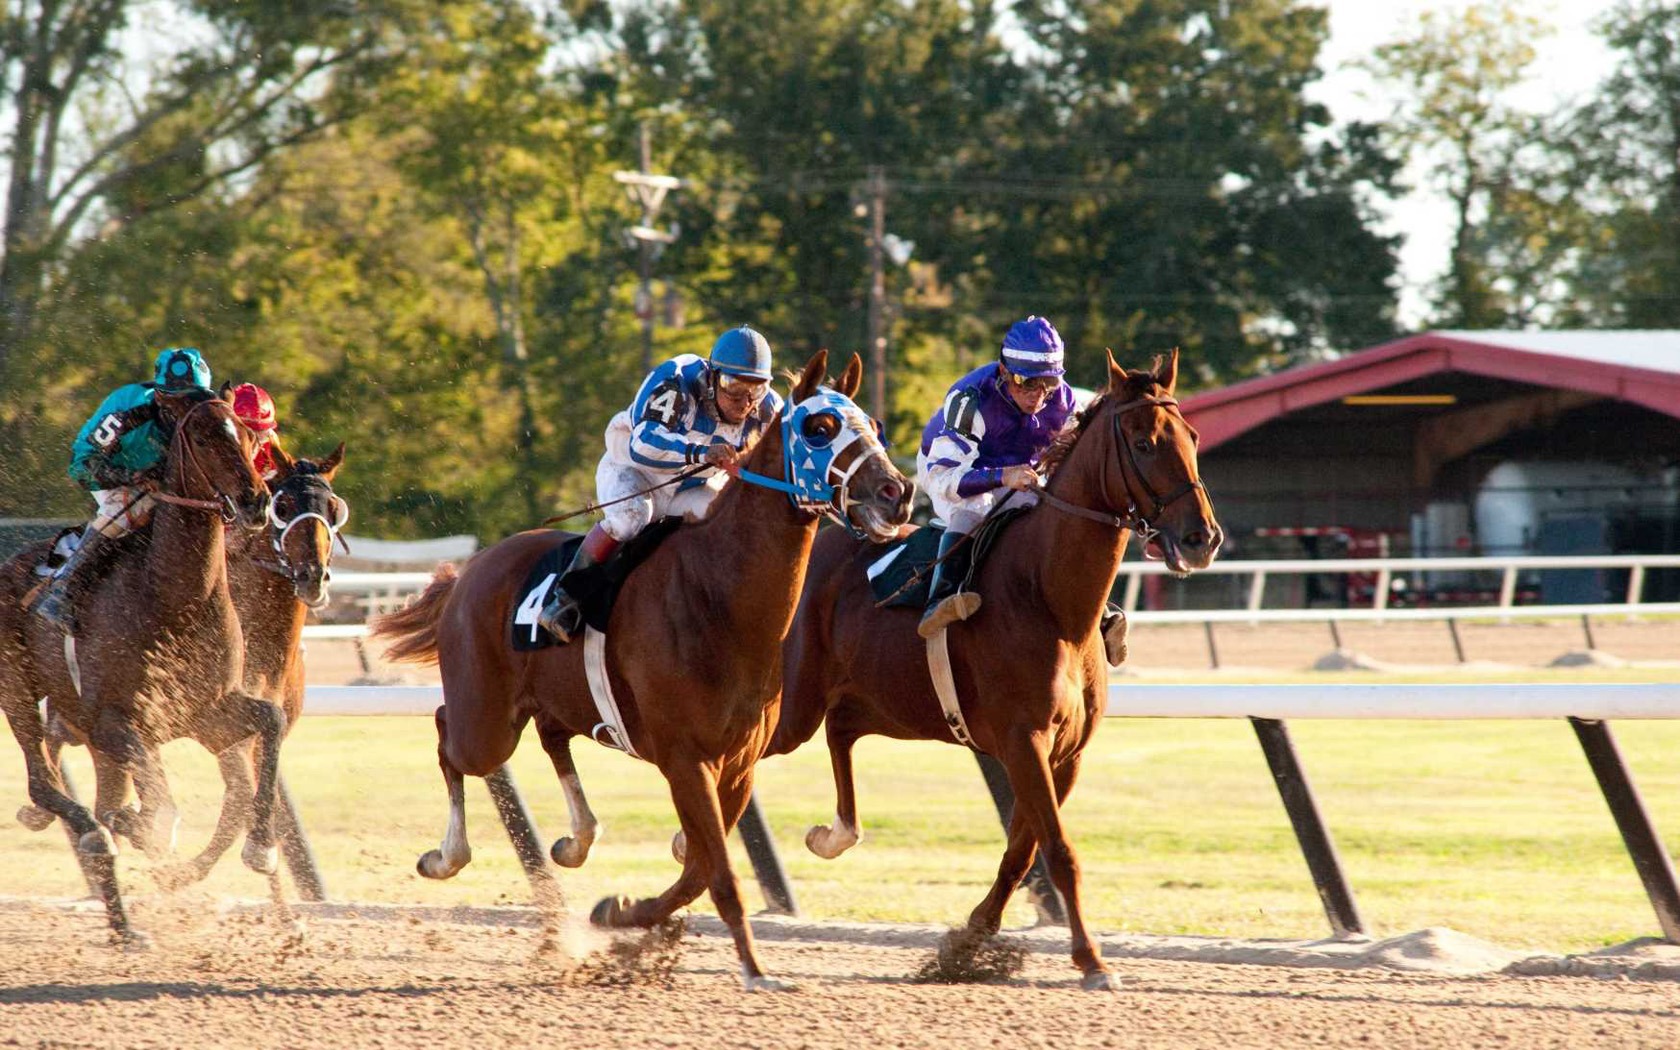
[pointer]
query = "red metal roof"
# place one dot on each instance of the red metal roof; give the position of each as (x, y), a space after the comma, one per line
(1220, 415)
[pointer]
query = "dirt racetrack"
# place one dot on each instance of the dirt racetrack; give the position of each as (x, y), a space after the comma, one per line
(389, 978)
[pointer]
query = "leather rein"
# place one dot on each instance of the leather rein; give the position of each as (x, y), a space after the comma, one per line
(180, 450)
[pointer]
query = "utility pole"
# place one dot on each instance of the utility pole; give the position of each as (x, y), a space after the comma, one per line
(648, 190)
(877, 191)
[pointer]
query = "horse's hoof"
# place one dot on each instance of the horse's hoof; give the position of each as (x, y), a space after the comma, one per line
(826, 843)
(569, 852)
(608, 911)
(97, 843)
(1100, 981)
(679, 847)
(433, 866)
(262, 858)
(762, 983)
(35, 818)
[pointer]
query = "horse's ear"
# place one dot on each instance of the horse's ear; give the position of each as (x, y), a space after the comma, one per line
(1166, 373)
(815, 369)
(329, 466)
(1116, 374)
(852, 378)
(283, 462)
(225, 391)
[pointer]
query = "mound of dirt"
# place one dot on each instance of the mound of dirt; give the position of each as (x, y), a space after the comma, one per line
(1587, 658)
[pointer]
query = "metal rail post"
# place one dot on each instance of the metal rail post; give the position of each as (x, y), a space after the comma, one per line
(1650, 859)
(294, 846)
(1316, 845)
(522, 830)
(1052, 911)
(766, 861)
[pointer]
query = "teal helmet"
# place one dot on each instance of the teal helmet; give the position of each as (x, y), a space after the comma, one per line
(180, 368)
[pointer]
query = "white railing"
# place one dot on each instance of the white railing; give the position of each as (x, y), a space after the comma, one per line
(385, 591)
(1127, 700)
(1509, 568)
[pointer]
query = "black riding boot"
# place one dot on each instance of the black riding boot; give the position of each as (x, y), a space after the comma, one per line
(946, 605)
(53, 604)
(562, 616)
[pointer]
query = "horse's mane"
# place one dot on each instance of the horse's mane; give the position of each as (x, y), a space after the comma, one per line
(1063, 443)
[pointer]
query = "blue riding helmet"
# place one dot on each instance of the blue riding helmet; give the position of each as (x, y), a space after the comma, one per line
(180, 368)
(1032, 348)
(744, 352)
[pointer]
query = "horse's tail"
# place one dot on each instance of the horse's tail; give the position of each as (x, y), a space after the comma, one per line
(413, 628)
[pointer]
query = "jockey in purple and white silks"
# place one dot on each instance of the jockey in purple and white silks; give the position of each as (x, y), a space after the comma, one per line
(983, 446)
(689, 411)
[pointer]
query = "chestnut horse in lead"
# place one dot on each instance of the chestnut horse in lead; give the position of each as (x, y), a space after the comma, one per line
(693, 651)
(1029, 668)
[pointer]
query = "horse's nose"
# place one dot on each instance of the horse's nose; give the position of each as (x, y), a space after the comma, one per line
(1194, 540)
(891, 491)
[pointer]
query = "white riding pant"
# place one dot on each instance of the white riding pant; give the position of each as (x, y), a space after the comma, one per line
(617, 478)
(961, 515)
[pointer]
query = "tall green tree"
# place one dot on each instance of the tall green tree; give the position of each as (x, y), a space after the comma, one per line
(1625, 144)
(1453, 76)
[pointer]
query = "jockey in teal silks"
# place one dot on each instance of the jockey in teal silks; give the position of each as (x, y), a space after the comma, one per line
(690, 412)
(118, 457)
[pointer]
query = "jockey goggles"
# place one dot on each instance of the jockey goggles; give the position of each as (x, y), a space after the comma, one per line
(737, 386)
(1035, 384)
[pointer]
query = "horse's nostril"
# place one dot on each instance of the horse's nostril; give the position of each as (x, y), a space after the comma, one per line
(890, 491)
(1195, 540)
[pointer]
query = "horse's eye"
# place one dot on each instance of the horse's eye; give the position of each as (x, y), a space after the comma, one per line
(285, 505)
(820, 429)
(1144, 445)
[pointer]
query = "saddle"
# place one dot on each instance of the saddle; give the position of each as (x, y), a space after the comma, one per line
(596, 587)
(897, 562)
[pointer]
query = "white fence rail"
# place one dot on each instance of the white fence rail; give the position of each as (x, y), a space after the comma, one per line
(1126, 700)
(386, 590)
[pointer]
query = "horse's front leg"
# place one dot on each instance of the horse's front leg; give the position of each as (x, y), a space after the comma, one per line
(1038, 795)
(227, 724)
(572, 850)
(235, 815)
(829, 841)
(154, 825)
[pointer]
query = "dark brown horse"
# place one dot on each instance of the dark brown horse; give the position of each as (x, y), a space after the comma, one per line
(692, 653)
(275, 577)
(1029, 668)
(156, 653)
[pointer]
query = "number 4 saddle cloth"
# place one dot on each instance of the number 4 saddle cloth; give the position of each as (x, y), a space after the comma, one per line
(595, 587)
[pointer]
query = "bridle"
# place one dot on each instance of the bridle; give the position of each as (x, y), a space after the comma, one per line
(282, 527)
(181, 451)
(1134, 518)
(819, 471)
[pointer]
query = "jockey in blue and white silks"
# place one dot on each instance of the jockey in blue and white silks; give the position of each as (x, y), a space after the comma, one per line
(689, 411)
(983, 446)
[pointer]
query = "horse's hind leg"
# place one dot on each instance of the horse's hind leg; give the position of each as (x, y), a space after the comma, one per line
(572, 850)
(1038, 795)
(30, 815)
(455, 853)
(829, 841)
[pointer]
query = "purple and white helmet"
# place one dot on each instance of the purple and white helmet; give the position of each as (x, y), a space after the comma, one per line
(1033, 348)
